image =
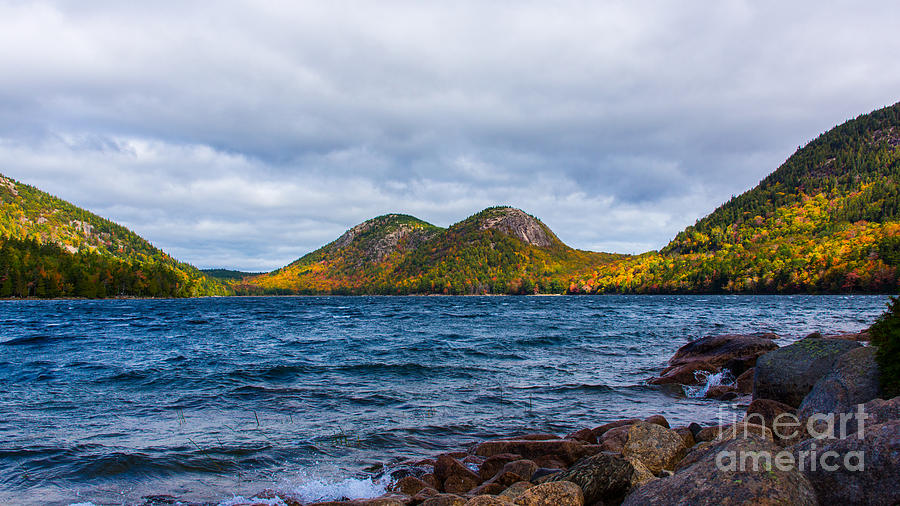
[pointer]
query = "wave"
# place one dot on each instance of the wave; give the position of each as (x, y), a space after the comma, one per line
(38, 339)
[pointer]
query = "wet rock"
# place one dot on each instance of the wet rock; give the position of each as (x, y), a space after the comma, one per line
(695, 429)
(614, 439)
(523, 468)
(788, 374)
(558, 493)
(602, 477)
(454, 476)
(722, 392)
(860, 471)
(566, 449)
(712, 353)
(431, 480)
(655, 446)
(410, 485)
(493, 464)
(584, 435)
(852, 380)
(684, 374)
(658, 420)
(710, 480)
(744, 382)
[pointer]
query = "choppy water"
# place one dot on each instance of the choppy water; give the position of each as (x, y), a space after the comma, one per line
(109, 401)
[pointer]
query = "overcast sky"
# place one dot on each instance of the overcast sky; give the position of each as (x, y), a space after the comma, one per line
(245, 135)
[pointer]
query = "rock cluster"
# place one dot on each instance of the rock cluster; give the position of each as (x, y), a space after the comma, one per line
(647, 462)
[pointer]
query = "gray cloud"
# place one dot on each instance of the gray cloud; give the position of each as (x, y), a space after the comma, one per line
(248, 135)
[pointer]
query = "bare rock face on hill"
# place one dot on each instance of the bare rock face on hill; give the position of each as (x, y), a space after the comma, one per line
(519, 224)
(379, 237)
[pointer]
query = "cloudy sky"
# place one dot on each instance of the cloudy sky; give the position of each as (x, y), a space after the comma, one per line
(246, 134)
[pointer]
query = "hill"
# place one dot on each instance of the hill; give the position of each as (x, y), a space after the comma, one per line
(51, 248)
(825, 221)
(499, 250)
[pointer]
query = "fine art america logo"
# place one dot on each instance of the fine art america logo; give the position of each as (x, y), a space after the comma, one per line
(787, 426)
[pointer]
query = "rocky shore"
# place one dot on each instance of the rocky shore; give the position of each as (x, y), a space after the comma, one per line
(815, 432)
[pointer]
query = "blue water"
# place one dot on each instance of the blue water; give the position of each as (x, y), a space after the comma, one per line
(203, 399)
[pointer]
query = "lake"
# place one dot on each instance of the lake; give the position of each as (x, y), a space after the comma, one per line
(204, 399)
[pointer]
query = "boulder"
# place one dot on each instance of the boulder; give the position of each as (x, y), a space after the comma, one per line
(410, 486)
(490, 488)
(522, 468)
(860, 471)
(584, 435)
(614, 439)
(711, 480)
(603, 429)
(444, 500)
(744, 382)
(766, 411)
(655, 446)
(557, 493)
(516, 489)
(881, 411)
(730, 431)
(566, 449)
(684, 374)
(488, 500)
(788, 374)
(493, 464)
(686, 435)
(454, 476)
(425, 494)
(862, 336)
(658, 420)
(852, 380)
(712, 353)
(722, 392)
(551, 461)
(603, 478)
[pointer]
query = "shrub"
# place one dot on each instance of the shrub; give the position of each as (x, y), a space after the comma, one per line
(886, 336)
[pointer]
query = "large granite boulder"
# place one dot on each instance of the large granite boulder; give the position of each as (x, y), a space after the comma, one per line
(558, 493)
(603, 478)
(734, 352)
(715, 478)
(859, 471)
(655, 446)
(766, 412)
(788, 374)
(852, 380)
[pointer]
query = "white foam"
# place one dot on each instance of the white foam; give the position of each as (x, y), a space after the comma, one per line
(707, 380)
(253, 500)
(352, 488)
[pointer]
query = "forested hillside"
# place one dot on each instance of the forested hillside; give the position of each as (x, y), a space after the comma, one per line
(825, 221)
(51, 248)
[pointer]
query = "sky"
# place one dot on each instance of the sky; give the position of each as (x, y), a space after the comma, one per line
(246, 134)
